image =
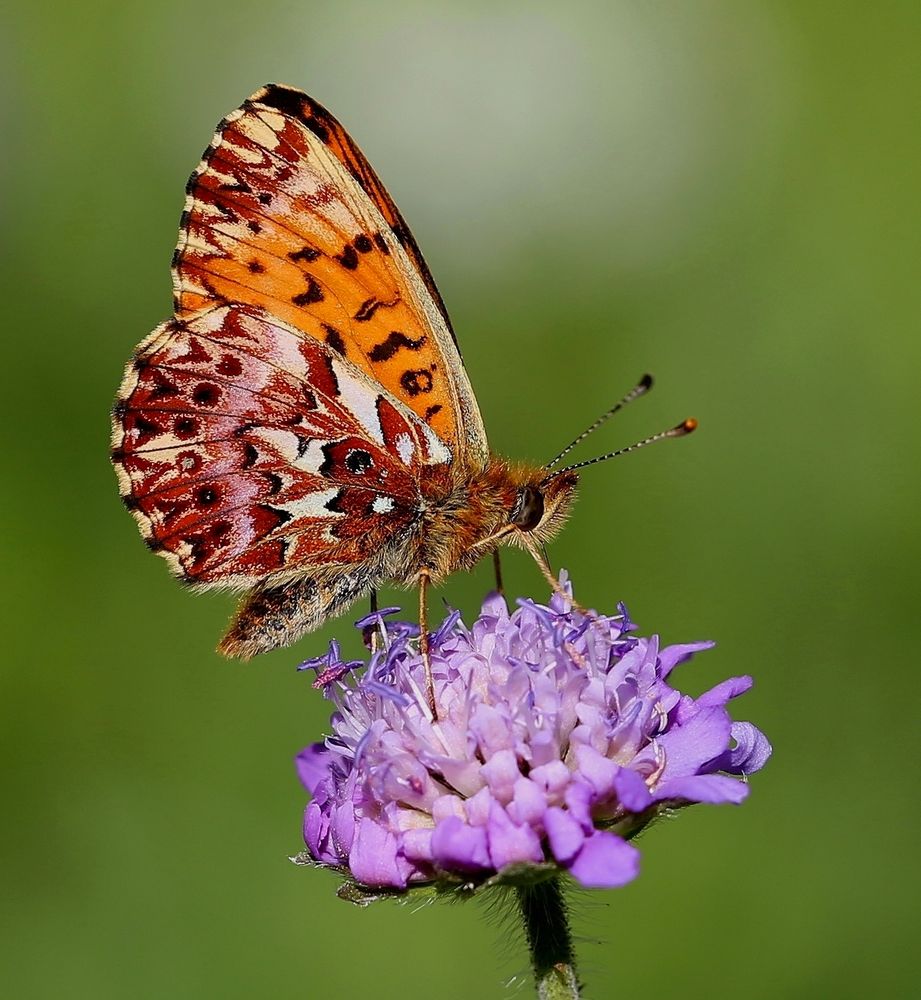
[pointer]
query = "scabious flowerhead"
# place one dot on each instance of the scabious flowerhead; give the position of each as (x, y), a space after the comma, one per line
(557, 737)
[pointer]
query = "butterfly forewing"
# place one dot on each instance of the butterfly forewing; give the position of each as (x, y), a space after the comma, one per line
(284, 213)
(249, 452)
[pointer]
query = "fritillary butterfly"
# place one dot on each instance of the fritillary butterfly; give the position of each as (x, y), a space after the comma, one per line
(303, 428)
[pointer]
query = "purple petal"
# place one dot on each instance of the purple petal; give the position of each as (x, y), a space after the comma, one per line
(597, 770)
(495, 606)
(445, 629)
(564, 834)
(447, 805)
(491, 729)
(510, 843)
(715, 789)
(456, 845)
(374, 617)
(316, 826)
(373, 858)
(553, 777)
(671, 656)
(579, 797)
(529, 802)
(730, 688)
(627, 625)
(689, 747)
(312, 765)
(342, 826)
(751, 752)
(632, 792)
(605, 862)
(417, 844)
(501, 772)
(477, 807)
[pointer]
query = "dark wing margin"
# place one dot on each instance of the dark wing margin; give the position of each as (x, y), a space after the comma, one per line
(295, 103)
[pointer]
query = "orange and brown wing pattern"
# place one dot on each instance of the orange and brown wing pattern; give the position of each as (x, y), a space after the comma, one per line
(284, 213)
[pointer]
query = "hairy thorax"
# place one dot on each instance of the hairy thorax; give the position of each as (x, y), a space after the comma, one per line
(466, 517)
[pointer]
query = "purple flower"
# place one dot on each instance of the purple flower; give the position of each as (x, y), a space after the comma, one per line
(558, 736)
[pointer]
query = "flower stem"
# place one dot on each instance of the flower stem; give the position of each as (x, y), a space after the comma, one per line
(546, 925)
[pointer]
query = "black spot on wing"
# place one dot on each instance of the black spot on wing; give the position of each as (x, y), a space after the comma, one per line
(370, 306)
(281, 516)
(367, 309)
(386, 350)
(206, 394)
(334, 503)
(313, 293)
(416, 381)
(306, 253)
(207, 496)
(358, 461)
(348, 258)
(163, 389)
(334, 339)
(145, 426)
(185, 428)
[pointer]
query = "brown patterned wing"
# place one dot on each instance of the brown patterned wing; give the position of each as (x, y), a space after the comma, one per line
(285, 213)
(249, 453)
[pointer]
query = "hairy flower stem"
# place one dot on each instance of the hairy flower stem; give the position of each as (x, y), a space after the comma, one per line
(546, 924)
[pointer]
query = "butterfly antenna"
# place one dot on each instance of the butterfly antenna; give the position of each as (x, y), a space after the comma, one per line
(640, 389)
(685, 427)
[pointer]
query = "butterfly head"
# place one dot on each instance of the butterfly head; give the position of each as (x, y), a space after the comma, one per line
(541, 506)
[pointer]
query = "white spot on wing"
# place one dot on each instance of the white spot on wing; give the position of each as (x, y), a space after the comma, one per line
(439, 452)
(382, 505)
(312, 458)
(313, 505)
(405, 448)
(361, 398)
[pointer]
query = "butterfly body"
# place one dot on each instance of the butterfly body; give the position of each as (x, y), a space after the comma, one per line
(303, 429)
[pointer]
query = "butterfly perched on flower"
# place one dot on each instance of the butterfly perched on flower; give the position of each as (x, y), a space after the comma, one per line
(303, 429)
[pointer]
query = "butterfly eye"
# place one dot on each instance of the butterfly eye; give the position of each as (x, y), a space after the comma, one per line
(529, 509)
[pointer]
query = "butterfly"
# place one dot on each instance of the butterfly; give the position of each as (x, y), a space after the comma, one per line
(303, 429)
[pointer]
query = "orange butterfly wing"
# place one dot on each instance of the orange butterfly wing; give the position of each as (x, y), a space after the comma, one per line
(286, 214)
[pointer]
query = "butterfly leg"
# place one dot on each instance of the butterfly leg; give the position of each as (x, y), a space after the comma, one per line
(539, 557)
(424, 580)
(372, 636)
(497, 567)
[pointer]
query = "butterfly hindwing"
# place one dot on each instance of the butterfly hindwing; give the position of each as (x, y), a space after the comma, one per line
(284, 213)
(249, 453)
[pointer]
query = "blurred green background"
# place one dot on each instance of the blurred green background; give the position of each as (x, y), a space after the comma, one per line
(724, 193)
